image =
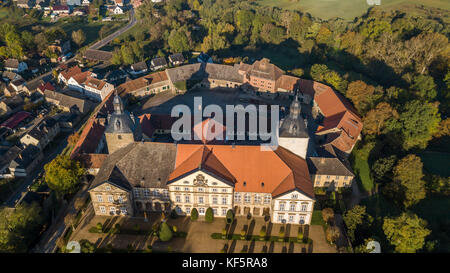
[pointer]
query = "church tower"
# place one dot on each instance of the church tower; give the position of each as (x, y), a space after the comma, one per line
(121, 128)
(293, 134)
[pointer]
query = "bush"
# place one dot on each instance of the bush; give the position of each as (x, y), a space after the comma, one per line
(209, 215)
(165, 233)
(174, 228)
(224, 233)
(194, 214)
(155, 229)
(327, 214)
(243, 234)
(300, 237)
(332, 234)
(99, 227)
(281, 234)
(230, 216)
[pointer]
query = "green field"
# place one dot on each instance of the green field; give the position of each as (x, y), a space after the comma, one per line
(349, 9)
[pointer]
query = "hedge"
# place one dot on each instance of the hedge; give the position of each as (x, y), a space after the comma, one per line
(218, 236)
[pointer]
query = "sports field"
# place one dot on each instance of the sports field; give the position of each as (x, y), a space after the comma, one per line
(349, 9)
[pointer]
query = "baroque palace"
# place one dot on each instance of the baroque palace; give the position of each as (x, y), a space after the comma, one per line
(136, 172)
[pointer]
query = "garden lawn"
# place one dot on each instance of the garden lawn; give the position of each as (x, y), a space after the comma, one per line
(362, 171)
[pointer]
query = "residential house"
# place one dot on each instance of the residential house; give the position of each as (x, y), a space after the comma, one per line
(97, 89)
(118, 10)
(146, 85)
(73, 2)
(158, 63)
(24, 163)
(8, 76)
(60, 47)
(261, 75)
(61, 9)
(68, 102)
(204, 58)
(45, 86)
(4, 109)
(138, 68)
(14, 121)
(65, 75)
(85, 2)
(76, 82)
(7, 154)
(116, 75)
(42, 133)
(176, 59)
(118, 2)
(15, 65)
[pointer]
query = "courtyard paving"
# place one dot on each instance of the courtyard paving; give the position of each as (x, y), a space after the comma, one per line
(198, 239)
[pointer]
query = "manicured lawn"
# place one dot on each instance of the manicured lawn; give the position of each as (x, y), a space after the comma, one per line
(436, 162)
(317, 219)
(362, 170)
(348, 9)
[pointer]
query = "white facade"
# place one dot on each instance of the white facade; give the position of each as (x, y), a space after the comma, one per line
(292, 208)
(98, 94)
(200, 190)
(118, 10)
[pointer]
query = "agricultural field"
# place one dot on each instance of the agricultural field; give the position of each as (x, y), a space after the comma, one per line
(349, 9)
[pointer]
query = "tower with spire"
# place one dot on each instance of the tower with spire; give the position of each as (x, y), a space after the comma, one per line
(122, 128)
(293, 134)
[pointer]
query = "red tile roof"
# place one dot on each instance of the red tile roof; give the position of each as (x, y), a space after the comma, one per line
(68, 73)
(276, 172)
(17, 118)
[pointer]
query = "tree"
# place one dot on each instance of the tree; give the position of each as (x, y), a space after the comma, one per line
(165, 233)
(417, 124)
(19, 227)
(424, 48)
(318, 72)
(406, 232)
(327, 214)
(73, 139)
(443, 129)
(230, 216)
(408, 174)
(424, 87)
(178, 41)
(382, 166)
(209, 215)
(194, 214)
(69, 220)
(78, 37)
(332, 234)
(356, 218)
(63, 174)
(362, 95)
(438, 185)
(375, 119)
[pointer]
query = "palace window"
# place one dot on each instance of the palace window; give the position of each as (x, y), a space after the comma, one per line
(214, 190)
(110, 199)
(304, 207)
(137, 193)
(267, 199)
(99, 198)
(291, 218)
(187, 199)
(177, 188)
(224, 211)
(215, 211)
(280, 217)
(224, 200)
(178, 199)
(295, 196)
(102, 209)
(108, 188)
(292, 207)
(302, 219)
(123, 210)
(120, 199)
(237, 197)
(317, 182)
(146, 193)
(247, 198)
(155, 192)
(166, 193)
(257, 198)
(281, 206)
(224, 190)
(188, 210)
(200, 189)
(214, 200)
(186, 189)
(112, 210)
(200, 200)
(201, 210)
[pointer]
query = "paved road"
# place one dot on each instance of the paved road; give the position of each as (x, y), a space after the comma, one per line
(111, 37)
(34, 83)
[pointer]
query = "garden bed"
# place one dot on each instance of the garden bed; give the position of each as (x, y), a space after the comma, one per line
(218, 236)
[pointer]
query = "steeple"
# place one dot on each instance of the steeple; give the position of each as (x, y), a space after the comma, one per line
(118, 104)
(295, 109)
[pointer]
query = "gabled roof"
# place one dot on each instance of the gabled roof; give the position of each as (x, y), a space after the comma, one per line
(160, 61)
(177, 57)
(139, 66)
(328, 166)
(12, 63)
(99, 55)
(263, 69)
(82, 77)
(205, 160)
(68, 73)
